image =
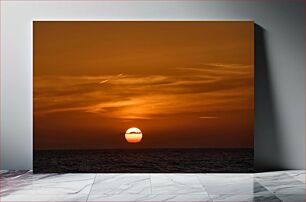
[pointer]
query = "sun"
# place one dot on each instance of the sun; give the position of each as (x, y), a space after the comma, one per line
(133, 135)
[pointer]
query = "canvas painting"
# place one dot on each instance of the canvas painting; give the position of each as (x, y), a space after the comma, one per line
(143, 96)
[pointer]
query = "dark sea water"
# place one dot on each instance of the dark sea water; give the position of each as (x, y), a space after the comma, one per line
(144, 161)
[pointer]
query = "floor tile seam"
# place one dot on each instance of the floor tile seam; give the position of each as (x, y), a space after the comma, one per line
(91, 187)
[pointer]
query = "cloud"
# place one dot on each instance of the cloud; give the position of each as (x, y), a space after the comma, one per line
(104, 81)
(202, 89)
(208, 117)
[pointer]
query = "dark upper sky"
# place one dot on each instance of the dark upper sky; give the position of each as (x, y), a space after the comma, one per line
(184, 84)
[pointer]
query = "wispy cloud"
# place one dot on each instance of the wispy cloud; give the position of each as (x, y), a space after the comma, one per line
(104, 81)
(208, 88)
(208, 117)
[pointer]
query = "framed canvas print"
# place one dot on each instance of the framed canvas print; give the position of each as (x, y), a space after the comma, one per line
(143, 96)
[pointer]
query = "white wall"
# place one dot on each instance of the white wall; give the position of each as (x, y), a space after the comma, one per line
(279, 67)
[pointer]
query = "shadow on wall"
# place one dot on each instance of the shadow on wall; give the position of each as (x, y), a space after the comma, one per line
(268, 153)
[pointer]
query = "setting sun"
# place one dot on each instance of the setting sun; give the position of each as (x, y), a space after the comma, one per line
(133, 135)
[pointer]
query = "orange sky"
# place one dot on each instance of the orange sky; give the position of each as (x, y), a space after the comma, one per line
(184, 84)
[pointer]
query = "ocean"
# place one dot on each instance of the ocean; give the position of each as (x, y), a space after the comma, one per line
(144, 161)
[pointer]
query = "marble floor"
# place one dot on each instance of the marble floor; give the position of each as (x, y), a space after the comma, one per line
(269, 186)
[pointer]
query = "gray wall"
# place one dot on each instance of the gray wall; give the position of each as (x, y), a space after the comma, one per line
(279, 67)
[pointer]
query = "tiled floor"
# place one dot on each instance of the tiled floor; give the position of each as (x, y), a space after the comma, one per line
(271, 186)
